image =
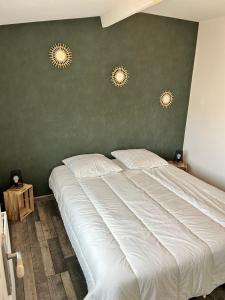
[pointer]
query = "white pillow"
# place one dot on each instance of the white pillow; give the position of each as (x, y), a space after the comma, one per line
(90, 165)
(139, 159)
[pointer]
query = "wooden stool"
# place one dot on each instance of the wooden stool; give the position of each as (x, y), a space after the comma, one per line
(181, 165)
(19, 202)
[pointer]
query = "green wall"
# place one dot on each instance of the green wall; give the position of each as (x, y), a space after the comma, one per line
(48, 114)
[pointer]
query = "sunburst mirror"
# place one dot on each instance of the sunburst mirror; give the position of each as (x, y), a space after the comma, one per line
(166, 99)
(60, 55)
(119, 76)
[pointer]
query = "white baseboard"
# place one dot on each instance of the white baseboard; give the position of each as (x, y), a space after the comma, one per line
(44, 197)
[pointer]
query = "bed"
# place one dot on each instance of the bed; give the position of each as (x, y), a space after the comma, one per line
(156, 234)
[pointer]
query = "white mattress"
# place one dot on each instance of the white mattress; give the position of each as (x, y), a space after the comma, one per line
(144, 235)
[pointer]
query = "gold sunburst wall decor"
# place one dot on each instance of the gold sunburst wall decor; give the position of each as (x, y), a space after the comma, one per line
(119, 76)
(166, 98)
(60, 55)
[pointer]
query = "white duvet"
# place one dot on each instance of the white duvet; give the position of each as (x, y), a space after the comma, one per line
(157, 234)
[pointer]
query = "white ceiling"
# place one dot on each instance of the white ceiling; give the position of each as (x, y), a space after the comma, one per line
(193, 10)
(110, 11)
(22, 11)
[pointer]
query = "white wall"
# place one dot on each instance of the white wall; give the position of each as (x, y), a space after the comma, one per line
(204, 144)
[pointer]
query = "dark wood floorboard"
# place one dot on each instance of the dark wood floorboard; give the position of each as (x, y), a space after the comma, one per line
(52, 271)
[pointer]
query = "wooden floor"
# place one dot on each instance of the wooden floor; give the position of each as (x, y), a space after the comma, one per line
(52, 271)
(51, 267)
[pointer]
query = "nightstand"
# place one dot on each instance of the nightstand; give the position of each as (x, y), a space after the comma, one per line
(19, 202)
(181, 165)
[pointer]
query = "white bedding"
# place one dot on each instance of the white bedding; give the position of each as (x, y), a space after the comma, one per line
(144, 235)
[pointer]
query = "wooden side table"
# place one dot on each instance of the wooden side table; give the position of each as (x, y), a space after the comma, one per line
(19, 202)
(181, 165)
